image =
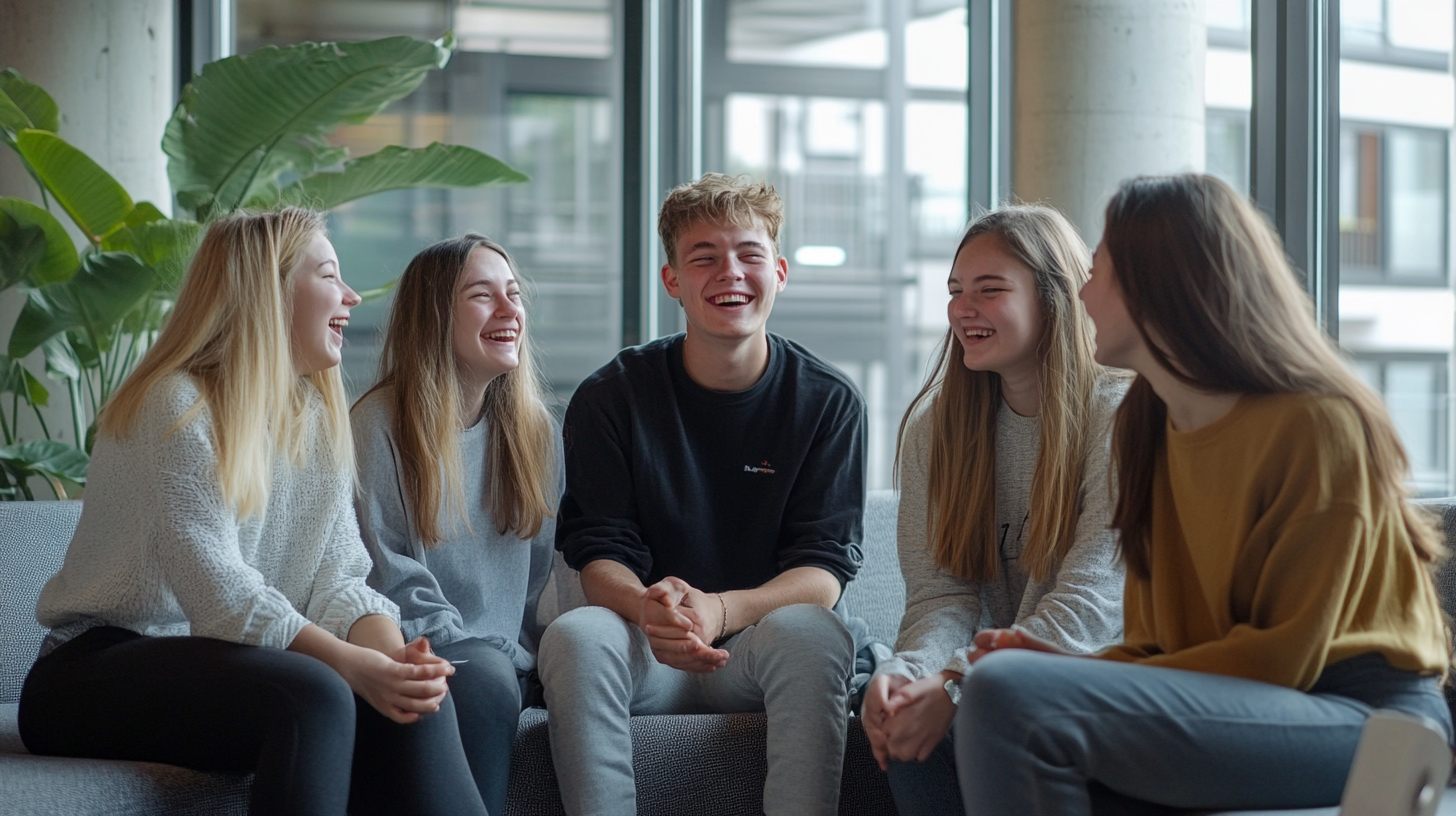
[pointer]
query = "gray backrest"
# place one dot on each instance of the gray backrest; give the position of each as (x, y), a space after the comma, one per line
(877, 593)
(33, 541)
(1445, 508)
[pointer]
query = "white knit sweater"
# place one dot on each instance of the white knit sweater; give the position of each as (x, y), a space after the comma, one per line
(159, 552)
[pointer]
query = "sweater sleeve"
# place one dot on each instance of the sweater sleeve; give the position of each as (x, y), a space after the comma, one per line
(341, 594)
(195, 541)
(824, 517)
(388, 534)
(542, 555)
(597, 519)
(942, 612)
(1080, 608)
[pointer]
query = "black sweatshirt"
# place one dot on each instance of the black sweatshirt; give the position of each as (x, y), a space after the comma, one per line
(722, 490)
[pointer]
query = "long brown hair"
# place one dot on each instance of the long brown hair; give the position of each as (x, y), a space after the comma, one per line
(418, 369)
(229, 332)
(963, 405)
(1204, 273)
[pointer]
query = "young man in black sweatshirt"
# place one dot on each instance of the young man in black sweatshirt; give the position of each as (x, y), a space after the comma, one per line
(714, 497)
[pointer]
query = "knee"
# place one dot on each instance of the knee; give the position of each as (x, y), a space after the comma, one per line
(806, 630)
(585, 635)
(1002, 685)
(309, 689)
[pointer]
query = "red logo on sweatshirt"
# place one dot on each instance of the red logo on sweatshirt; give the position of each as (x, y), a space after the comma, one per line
(763, 467)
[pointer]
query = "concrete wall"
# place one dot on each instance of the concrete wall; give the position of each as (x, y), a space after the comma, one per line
(1105, 89)
(109, 64)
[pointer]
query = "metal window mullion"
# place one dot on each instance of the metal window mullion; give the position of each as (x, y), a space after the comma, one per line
(1294, 139)
(988, 103)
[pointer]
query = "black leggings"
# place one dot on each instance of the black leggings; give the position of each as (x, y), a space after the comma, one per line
(217, 706)
(487, 691)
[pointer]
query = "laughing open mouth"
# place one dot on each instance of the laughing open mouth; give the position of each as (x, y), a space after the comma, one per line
(729, 299)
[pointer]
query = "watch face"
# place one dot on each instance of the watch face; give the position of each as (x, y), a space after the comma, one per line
(953, 688)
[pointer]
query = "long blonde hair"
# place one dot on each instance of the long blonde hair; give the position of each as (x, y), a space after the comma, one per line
(230, 332)
(1204, 272)
(418, 369)
(963, 405)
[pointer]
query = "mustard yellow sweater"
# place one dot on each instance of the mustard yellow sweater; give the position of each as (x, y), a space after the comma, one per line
(1272, 554)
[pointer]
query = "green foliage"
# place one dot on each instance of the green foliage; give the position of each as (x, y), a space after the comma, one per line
(249, 130)
(397, 168)
(93, 199)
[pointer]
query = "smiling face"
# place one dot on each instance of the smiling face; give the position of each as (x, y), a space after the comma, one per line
(994, 310)
(321, 302)
(726, 279)
(1118, 342)
(489, 319)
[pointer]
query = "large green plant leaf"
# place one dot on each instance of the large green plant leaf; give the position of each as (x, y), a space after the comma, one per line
(22, 246)
(49, 458)
(108, 286)
(166, 246)
(60, 261)
(93, 199)
(396, 168)
(15, 379)
(25, 105)
(246, 120)
(60, 359)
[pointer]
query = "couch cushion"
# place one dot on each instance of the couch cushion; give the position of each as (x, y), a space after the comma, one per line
(33, 541)
(714, 761)
(51, 786)
(877, 593)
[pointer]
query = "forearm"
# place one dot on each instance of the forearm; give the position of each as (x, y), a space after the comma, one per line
(377, 632)
(612, 585)
(746, 607)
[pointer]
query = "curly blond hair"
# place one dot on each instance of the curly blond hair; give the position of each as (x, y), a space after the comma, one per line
(720, 199)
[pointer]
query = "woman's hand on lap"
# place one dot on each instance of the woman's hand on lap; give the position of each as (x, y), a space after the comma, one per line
(919, 715)
(989, 640)
(873, 715)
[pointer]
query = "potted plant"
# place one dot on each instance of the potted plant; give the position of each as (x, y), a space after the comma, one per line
(249, 131)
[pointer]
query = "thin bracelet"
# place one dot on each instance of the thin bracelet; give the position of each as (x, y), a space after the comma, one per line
(724, 604)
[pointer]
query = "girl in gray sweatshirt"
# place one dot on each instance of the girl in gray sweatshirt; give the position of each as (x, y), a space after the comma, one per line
(459, 475)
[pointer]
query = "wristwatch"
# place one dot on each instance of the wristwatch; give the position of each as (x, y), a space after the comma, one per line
(953, 688)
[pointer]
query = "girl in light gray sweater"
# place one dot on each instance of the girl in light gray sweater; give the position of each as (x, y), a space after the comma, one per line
(459, 473)
(1004, 494)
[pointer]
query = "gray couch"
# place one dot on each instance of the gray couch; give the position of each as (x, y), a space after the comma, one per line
(707, 764)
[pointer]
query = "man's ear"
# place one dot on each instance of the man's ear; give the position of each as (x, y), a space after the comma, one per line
(669, 281)
(782, 268)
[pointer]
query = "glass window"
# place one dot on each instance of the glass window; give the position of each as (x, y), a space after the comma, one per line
(1414, 390)
(1396, 304)
(1417, 165)
(869, 153)
(532, 84)
(1228, 92)
(1392, 204)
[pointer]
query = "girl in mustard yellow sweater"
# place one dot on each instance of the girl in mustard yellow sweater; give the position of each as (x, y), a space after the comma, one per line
(1278, 582)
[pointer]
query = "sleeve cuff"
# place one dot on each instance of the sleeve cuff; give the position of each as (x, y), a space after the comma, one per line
(352, 603)
(958, 662)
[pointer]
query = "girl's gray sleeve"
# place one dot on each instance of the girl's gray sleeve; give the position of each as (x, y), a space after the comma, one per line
(1080, 609)
(385, 526)
(942, 611)
(543, 551)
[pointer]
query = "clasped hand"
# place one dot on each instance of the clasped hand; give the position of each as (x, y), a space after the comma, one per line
(402, 685)
(681, 623)
(904, 719)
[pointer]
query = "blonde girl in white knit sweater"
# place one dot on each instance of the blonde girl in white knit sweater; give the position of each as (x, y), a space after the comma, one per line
(212, 610)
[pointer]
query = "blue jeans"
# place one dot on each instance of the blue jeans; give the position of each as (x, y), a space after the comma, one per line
(793, 665)
(1033, 730)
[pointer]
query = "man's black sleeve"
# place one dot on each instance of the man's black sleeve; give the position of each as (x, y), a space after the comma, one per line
(824, 518)
(598, 515)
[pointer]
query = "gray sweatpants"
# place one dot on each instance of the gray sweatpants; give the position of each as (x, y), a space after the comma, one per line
(598, 670)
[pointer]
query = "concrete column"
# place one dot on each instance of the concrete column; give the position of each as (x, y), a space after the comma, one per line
(1105, 89)
(109, 64)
